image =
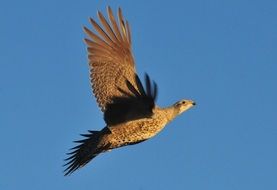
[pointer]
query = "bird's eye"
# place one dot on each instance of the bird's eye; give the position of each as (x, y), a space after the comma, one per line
(183, 102)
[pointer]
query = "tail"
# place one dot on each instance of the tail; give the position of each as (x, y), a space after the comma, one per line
(87, 149)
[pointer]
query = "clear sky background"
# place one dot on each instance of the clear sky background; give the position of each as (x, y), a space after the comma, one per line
(222, 54)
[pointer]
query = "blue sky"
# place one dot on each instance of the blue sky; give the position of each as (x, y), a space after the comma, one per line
(222, 54)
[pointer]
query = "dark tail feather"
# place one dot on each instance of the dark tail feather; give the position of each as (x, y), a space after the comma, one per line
(85, 151)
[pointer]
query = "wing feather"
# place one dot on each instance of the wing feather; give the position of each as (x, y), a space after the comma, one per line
(138, 103)
(107, 27)
(101, 32)
(95, 38)
(114, 24)
(122, 25)
(110, 57)
(129, 33)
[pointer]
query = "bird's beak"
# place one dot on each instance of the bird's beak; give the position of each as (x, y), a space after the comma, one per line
(191, 102)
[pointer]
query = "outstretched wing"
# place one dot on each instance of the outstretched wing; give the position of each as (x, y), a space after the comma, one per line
(135, 104)
(110, 57)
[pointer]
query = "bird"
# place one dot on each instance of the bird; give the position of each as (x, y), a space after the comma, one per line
(130, 112)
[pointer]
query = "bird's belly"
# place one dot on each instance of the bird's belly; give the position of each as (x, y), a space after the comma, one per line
(135, 131)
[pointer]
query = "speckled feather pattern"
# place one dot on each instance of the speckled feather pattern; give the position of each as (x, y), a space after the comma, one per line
(106, 78)
(137, 130)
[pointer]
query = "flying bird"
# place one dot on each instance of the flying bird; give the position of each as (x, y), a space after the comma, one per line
(129, 108)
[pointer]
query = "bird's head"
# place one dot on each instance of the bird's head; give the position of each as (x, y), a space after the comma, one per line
(183, 105)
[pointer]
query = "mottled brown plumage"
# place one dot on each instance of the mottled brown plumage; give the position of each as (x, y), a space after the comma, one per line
(110, 57)
(130, 112)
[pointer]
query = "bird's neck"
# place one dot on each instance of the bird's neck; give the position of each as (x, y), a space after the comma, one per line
(170, 113)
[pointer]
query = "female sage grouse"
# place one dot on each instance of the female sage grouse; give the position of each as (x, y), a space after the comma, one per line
(129, 108)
